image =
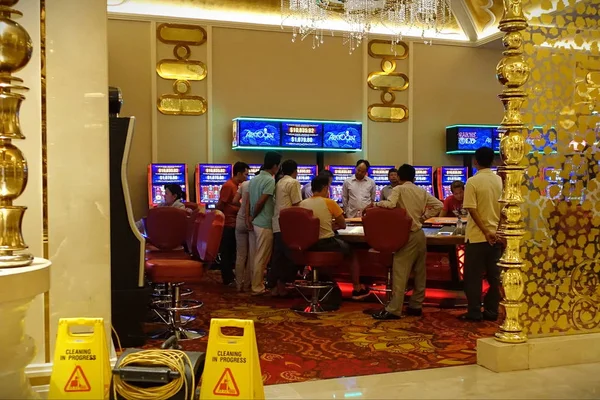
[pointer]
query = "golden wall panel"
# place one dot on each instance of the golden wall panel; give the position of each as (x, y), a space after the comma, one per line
(562, 244)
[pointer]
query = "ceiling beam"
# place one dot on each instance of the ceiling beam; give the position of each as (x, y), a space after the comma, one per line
(465, 19)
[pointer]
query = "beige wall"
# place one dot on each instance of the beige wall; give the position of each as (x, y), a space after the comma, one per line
(262, 73)
(129, 68)
(452, 85)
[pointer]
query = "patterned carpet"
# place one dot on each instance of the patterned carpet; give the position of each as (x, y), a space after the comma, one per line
(295, 348)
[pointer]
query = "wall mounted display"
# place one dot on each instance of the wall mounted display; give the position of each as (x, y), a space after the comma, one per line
(182, 70)
(306, 173)
(388, 81)
(253, 170)
(424, 178)
(294, 134)
(209, 180)
(161, 174)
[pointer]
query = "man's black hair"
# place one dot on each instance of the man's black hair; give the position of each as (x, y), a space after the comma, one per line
(319, 183)
(406, 173)
(457, 185)
(239, 167)
(327, 173)
(271, 159)
(289, 167)
(484, 157)
(367, 164)
(392, 170)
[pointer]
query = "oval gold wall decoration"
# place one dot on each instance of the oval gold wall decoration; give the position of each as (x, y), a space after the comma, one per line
(385, 49)
(387, 113)
(395, 81)
(174, 104)
(181, 34)
(188, 70)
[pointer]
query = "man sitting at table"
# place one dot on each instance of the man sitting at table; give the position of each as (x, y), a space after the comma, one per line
(419, 206)
(330, 214)
(453, 204)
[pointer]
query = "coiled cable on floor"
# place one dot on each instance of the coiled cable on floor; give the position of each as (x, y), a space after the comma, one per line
(176, 360)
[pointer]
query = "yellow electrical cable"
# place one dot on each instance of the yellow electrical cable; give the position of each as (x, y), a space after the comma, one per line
(118, 340)
(176, 360)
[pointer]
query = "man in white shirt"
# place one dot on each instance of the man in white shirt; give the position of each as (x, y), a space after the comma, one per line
(287, 194)
(419, 206)
(482, 249)
(358, 191)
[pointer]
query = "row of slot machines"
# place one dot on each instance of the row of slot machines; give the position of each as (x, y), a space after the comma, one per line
(209, 178)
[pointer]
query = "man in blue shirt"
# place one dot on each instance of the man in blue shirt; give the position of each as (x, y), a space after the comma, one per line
(259, 219)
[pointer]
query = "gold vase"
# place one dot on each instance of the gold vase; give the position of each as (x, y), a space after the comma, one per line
(512, 72)
(15, 52)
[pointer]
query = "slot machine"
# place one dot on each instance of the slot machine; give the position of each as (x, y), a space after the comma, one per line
(379, 173)
(161, 174)
(253, 170)
(424, 179)
(306, 173)
(552, 176)
(209, 180)
(340, 174)
(445, 176)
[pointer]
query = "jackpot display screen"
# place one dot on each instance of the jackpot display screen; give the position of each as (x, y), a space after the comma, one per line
(253, 170)
(306, 173)
(466, 139)
(447, 175)
(209, 180)
(340, 174)
(161, 174)
(379, 173)
(289, 134)
(539, 140)
(424, 178)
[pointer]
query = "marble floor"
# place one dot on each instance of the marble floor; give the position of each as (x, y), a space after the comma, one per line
(465, 382)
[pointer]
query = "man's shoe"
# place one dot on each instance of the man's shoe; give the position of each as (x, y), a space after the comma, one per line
(360, 294)
(414, 312)
(383, 315)
(489, 316)
(469, 318)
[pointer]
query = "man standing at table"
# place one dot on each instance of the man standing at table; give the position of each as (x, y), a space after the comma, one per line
(386, 192)
(230, 208)
(419, 206)
(259, 219)
(358, 191)
(482, 250)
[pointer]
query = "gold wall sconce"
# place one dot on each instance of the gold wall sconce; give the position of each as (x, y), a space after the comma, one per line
(181, 69)
(388, 81)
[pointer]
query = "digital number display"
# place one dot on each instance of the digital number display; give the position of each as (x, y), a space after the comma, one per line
(211, 178)
(253, 170)
(424, 178)
(306, 173)
(163, 174)
(299, 134)
(449, 175)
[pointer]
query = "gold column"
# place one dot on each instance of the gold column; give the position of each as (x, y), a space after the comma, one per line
(15, 53)
(512, 72)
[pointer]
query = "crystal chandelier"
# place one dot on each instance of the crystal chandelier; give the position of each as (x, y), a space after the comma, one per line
(431, 15)
(398, 17)
(309, 17)
(359, 15)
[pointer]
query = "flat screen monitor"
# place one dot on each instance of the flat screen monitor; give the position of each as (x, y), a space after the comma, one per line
(379, 173)
(424, 178)
(161, 174)
(253, 170)
(340, 174)
(540, 140)
(306, 173)
(447, 175)
(209, 180)
(466, 139)
(296, 134)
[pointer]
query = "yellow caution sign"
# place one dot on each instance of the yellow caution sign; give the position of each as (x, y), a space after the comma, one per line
(232, 369)
(81, 367)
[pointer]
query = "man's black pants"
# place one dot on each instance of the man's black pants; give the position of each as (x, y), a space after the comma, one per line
(228, 252)
(482, 258)
(281, 268)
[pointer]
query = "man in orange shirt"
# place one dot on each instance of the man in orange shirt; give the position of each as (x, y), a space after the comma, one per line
(230, 209)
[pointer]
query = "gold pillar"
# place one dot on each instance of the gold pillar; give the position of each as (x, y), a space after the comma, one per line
(512, 72)
(15, 53)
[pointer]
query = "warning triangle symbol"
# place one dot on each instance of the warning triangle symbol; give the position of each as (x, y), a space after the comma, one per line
(226, 385)
(78, 382)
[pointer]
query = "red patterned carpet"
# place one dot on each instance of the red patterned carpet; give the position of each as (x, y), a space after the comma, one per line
(295, 348)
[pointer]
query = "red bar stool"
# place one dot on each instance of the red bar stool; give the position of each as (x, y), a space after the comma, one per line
(175, 273)
(300, 231)
(166, 229)
(386, 232)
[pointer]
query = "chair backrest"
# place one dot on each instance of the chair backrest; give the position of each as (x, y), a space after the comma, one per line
(166, 227)
(299, 228)
(190, 205)
(210, 231)
(387, 230)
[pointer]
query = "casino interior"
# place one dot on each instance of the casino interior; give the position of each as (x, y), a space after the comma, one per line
(127, 96)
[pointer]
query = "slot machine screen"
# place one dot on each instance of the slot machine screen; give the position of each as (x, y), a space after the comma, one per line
(253, 170)
(379, 173)
(210, 179)
(424, 178)
(340, 174)
(447, 175)
(161, 174)
(306, 173)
